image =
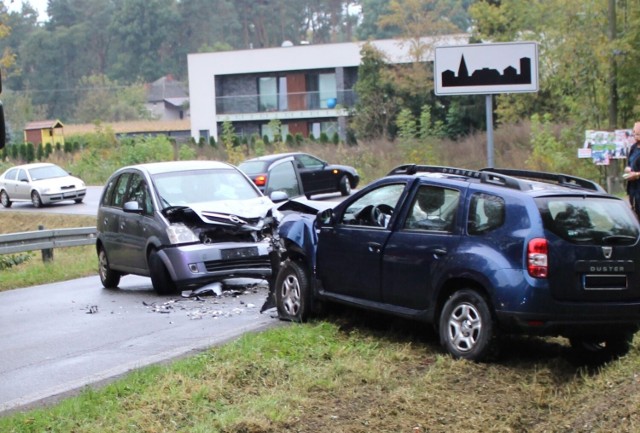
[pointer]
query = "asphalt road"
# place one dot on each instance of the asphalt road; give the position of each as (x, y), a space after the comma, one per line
(57, 338)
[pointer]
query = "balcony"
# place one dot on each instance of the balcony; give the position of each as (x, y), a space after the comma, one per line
(283, 106)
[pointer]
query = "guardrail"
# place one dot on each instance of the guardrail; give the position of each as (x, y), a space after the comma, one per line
(47, 240)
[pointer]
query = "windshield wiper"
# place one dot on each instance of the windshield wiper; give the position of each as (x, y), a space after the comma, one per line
(618, 239)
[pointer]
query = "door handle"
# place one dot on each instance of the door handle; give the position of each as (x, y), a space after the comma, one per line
(374, 247)
(439, 252)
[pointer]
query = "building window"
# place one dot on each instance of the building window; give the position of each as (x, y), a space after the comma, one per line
(266, 130)
(327, 90)
(268, 93)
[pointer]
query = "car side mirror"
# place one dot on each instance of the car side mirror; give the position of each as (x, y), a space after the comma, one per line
(278, 196)
(132, 207)
(325, 218)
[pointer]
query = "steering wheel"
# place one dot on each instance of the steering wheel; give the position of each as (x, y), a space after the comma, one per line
(378, 213)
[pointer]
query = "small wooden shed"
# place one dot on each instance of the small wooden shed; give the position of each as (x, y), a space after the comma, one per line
(43, 132)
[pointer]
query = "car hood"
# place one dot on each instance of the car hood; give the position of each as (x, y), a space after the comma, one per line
(217, 220)
(59, 182)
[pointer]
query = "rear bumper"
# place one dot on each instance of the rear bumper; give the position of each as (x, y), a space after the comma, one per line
(573, 319)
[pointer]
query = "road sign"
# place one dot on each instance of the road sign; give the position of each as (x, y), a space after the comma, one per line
(486, 68)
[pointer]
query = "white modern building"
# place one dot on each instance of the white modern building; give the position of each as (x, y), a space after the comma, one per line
(309, 88)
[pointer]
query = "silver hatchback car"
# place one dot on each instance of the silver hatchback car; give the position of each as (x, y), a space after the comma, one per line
(184, 223)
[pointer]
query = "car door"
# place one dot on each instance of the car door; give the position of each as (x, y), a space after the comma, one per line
(349, 257)
(133, 227)
(22, 189)
(111, 217)
(283, 177)
(417, 253)
(10, 182)
(313, 174)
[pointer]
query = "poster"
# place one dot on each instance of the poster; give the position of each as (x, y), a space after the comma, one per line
(603, 146)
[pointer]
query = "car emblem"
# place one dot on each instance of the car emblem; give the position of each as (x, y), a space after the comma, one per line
(235, 219)
(607, 251)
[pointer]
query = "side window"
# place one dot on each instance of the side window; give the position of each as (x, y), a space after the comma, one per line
(283, 178)
(106, 199)
(309, 162)
(433, 208)
(139, 193)
(486, 213)
(22, 176)
(11, 174)
(121, 190)
(375, 208)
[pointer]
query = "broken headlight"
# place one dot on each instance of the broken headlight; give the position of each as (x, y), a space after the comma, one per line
(181, 234)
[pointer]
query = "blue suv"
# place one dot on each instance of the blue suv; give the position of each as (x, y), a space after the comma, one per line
(477, 254)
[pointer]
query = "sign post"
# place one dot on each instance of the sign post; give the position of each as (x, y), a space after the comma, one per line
(486, 69)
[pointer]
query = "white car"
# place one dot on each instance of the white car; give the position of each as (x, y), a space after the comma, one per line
(41, 184)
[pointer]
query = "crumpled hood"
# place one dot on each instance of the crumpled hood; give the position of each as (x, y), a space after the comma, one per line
(251, 209)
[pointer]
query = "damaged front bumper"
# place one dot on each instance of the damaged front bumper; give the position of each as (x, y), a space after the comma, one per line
(204, 263)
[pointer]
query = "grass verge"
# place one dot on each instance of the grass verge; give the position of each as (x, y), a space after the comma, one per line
(354, 376)
(68, 263)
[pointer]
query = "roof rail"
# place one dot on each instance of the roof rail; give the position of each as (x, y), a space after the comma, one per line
(558, 178)
(483, 176)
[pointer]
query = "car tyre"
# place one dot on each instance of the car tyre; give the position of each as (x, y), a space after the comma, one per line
(600, 350)
(293, 292)
(467, 326)
(4, 199)
(36, 200)
(160, 277)
(78, 200)
(345, 185)
(109, 278)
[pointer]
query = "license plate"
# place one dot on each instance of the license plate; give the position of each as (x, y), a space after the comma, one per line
(239, 253)
(605, 282)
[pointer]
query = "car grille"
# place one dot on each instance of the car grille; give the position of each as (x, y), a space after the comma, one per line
(258, 263)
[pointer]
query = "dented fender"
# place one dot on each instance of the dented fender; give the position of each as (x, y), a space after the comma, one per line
(299, 236)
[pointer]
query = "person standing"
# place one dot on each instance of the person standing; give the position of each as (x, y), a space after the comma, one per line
(632, 171)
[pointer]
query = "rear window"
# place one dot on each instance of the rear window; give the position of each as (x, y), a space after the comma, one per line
(253, 167)
(589, 220)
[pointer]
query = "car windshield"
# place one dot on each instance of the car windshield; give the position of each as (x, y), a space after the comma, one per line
(198, 186)
(47, 172)
(589, 220)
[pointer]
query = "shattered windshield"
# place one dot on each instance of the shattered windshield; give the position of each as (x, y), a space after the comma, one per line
(198, 186)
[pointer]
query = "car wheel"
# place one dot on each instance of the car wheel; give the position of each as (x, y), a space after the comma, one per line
(4, 199)
(109, 278)
(293, 292)
(78, 200)
(467, 327)
(160, 278)
(600, 350)
(36, 199)
(345, 185)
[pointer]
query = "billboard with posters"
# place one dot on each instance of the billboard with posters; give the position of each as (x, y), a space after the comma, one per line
(603, 146)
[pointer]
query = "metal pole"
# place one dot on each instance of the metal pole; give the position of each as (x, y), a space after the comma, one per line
(489, 109)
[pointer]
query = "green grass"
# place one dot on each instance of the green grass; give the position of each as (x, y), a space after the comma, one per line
(353, 375)
(68, 263)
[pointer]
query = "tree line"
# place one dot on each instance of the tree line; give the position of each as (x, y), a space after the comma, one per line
(90, 59)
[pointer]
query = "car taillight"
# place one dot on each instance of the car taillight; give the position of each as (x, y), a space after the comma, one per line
(538, 258)
(261, 180)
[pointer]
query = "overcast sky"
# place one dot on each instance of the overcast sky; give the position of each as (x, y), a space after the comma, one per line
(39, 5)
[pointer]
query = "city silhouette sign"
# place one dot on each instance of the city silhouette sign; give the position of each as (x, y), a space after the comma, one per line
(486, 68)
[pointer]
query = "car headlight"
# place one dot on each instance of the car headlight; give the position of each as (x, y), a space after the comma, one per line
(181, 234)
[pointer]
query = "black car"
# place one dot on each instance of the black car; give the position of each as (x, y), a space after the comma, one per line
(299, 174)
(477, 254)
